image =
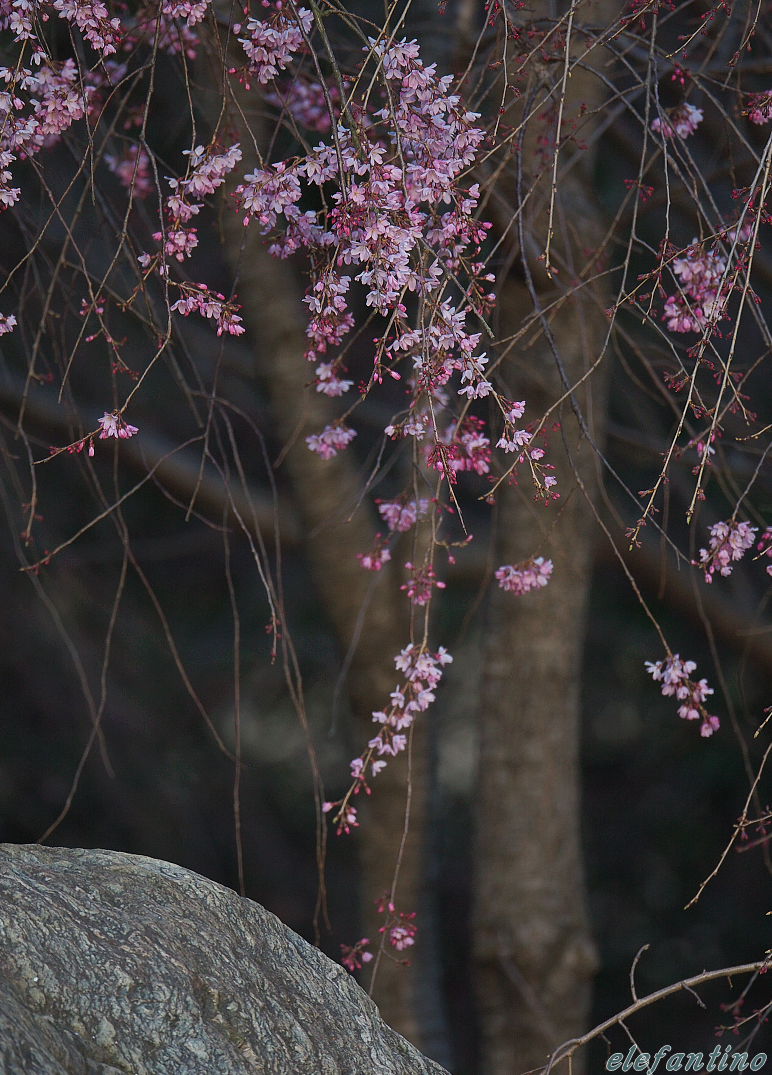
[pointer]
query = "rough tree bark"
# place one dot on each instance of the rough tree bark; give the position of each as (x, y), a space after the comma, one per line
(116, 963)
(533, 951)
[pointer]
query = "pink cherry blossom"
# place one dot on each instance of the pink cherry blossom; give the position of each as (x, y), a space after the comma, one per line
(764, 547)
(702, 298)
(271, 43)
(207, 170)
(729, 541)
(421, 583)
(192, 11)
(132, 168)
(759, 108)
(93, 20)
(514, 440)
(328, 381)
(307, 102)
(529, 575)
(353, 957)
(377, 557)
(197, 298)
(330, 441)
(399, 927)
(402, 936)
(422, 671)
(674, 675)
(346, 818)
(404, 163)
(514, 411)
(113, 425)
(678, 122)
(465, 447)
(402, 515)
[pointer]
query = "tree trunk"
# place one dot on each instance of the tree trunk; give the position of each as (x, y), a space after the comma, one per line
(533, 951)
(334, 528)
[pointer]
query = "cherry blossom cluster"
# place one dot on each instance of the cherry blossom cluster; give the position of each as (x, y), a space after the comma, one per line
(398, 221)
(377, 556)
(678, 122)
(421, 582)
(198, 298)
(401, 515)
(764, 547)
(521, 441)
(759, 108)
(192, 11)
(471, 447)
(437, 349)
(111, 424)
(389, 178)
(207, 170)
(329, 323)
(674, 675)
(462, 446)
(167, 28)
(514, 440)
(728, 543)
(400, 928)
(529, 575)
(701, 299)
(353, 957)
(400, 932)
(422, 671)
(132, 168)
(270, 44)
(38, 103)
(306, 101)
(93, 20)
(331, 440)
(345, 817)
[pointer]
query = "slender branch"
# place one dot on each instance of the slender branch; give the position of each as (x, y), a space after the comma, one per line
(567, 1050)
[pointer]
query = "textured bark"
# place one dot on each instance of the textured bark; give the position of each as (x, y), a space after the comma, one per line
(533, 951)
(117, 963)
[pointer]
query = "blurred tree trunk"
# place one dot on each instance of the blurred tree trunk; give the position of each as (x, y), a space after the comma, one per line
(375, 623)
(534, 957)
(371, 622)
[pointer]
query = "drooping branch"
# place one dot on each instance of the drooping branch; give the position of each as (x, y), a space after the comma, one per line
(569, 1048)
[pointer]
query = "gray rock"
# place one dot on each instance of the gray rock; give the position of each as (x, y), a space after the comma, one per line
(113, 963)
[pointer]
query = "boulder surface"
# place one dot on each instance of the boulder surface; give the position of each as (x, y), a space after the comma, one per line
(114, 963)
